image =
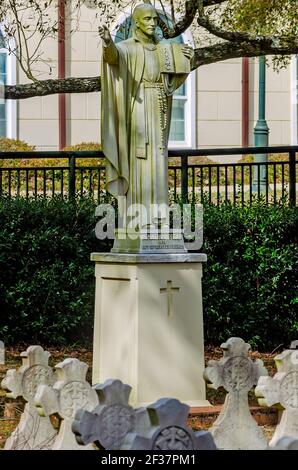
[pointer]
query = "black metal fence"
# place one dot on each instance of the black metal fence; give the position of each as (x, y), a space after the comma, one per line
(189, 178)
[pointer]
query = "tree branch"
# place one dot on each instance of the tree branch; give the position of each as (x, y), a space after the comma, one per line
(251, 45)
(191, 8)
(52, 87)
(209, 3)
(203, 56)
(229, 50)
(212, 28)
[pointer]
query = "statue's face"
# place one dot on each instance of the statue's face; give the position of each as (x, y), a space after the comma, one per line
(146, 21)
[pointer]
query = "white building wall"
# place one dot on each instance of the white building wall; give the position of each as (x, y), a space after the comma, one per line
(278, 103)
(218, 98)
(84, 54)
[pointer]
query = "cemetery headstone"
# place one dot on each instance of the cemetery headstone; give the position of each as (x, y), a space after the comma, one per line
(286, 443)
(110, 421)
(282, 390)
(235, 428)
(69, 393)
(163, 426)
(33, 432)
(2, 353)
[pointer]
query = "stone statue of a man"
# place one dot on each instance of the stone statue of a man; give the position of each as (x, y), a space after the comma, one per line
(139, 78)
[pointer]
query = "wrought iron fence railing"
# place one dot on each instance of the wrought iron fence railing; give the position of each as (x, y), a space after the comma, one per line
(192, 174)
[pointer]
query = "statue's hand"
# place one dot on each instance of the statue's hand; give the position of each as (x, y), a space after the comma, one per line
(105, 35)
(188, 52)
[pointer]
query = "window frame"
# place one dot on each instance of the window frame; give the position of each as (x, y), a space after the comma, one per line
(189, 116)
(294, 100)
(11, 105)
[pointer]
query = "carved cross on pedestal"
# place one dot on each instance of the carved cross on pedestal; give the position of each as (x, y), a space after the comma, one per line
(33, 431)
(237, 373)
(110, 421)
(169, 291)
(282, 390)
(70, 393)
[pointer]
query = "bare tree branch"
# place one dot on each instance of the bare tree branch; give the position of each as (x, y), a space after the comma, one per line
(52, 87)
(191, 8)
(203, 56)
(209, 3)
(212, 28)
(268, 44)
(228, 50)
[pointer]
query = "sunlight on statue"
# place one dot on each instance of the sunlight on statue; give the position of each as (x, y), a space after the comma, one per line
(140, 76)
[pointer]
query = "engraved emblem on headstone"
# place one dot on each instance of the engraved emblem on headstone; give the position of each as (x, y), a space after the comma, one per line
(282, 389)
(33, 377)
(237, 374)
(163, 426)
(173, 438)
(110, 421)
(73, 396)
(235, 428)
(70, 393)
(289, 390)
(33, 432)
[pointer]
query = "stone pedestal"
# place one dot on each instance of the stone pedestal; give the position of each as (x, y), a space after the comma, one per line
(148, 329)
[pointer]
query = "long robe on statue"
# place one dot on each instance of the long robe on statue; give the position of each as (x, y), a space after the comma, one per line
(136, 111)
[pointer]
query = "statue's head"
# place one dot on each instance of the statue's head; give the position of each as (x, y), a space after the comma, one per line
(145, 19)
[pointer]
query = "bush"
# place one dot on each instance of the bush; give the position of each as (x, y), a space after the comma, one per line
(250, 279)
(86, 146)
(47, 278)
(13, 145)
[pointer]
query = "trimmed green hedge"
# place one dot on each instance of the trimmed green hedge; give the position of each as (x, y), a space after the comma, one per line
(250, 281)
(47, 278)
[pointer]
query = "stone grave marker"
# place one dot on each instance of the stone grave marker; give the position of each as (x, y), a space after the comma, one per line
(33, 432)
(163, 426)
(286, 443)
(235, 428)
(110, 421)
(282, 390)
(70, 393)
(2, 353)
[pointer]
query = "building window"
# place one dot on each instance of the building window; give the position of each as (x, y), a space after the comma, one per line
(7, 77)
(2, 84)
(295, 100)
(182, 132)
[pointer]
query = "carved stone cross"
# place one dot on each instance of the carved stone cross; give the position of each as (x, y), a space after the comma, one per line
(110, 421)
(282, 390)
(70, 393)
(169, 291)
(33, 432)
(235, 428)
(286, 443)
(163, 426)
